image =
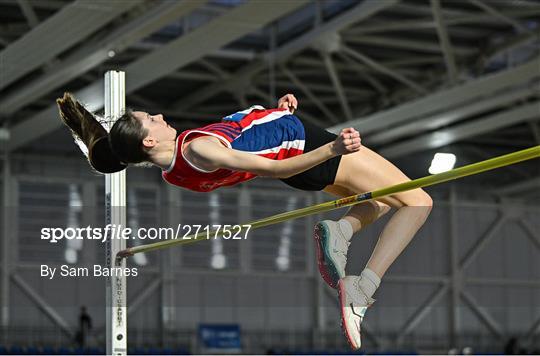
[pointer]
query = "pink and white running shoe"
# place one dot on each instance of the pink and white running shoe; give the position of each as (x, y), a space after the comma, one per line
(332, 250)
(354, 304)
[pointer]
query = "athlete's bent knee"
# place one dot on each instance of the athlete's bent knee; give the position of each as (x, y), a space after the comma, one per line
(421, 198)
(382, 208)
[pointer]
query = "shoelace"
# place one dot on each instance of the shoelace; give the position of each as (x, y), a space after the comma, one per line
(343, 252)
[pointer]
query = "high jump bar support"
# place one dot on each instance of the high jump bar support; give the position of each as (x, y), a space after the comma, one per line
(471, 169)
(115, 214)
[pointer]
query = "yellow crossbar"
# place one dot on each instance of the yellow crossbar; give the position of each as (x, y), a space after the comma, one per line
(475, 168)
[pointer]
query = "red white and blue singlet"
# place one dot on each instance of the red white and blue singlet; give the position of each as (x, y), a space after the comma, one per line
(275, 134)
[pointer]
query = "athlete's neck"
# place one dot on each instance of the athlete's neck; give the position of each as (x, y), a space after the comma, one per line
(163, 154)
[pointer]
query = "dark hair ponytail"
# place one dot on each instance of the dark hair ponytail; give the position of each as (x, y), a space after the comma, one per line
(89, 135)
(126, 138)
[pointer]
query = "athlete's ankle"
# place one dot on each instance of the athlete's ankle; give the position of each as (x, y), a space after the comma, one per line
(368, 282)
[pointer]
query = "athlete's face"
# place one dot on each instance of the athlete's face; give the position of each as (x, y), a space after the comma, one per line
(157, 127)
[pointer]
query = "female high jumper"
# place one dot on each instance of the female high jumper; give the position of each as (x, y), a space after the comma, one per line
(272, 143)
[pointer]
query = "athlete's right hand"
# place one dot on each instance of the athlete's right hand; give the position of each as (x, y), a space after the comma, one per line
(348, 141)
(289, 102)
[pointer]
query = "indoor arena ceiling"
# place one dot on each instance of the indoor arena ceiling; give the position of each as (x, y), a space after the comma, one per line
(413, 76)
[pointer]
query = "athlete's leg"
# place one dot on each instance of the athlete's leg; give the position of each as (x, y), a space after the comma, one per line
(333, 237)
(365, 171)
(359, 215)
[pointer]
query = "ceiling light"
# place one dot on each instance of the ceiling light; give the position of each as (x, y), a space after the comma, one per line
(442, 162)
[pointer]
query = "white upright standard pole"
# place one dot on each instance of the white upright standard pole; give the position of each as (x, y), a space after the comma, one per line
(115, 214)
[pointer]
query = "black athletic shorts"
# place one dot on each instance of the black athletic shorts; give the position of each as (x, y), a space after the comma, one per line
(318, 177)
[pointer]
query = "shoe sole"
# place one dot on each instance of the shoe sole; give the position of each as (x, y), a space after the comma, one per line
(341, 296)
(327, 268)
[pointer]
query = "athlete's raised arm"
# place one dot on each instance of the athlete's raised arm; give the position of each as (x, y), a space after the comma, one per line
(288, 101)
(211, 156)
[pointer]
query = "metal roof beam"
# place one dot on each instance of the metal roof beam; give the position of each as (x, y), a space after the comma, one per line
(336, 82)
(59, 32)
(39, 4)
(301, 112)
(28, 13)
(494, 12)
(450, 21)
(360, 12)
(446, 99)
(238, 22)
(310, 65)
(423, 9)
(407, 44)
(382, 69)
(412, 61)
(185, 50)
(307, 92)
(314, 87)
(92, 55)
(444, 41)
(477, 127)
(449, 117)
(246, 55)
(192, 75)
(535, 129)
(423, 26)
(509, 45)
(375, 83)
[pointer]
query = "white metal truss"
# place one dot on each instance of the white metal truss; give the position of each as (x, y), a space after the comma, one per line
(376, 59)
(444, 40)
(444, 137)
(174, 55)
(70, 25)
(94, 54)
(445, 99)
(360, 12)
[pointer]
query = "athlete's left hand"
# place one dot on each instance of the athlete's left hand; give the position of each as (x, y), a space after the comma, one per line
(288, 101)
